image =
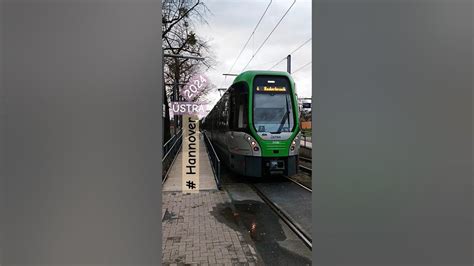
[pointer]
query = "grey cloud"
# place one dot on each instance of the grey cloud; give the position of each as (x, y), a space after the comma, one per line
(230, 26)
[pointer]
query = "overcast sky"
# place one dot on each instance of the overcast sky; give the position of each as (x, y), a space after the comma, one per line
(230, 25)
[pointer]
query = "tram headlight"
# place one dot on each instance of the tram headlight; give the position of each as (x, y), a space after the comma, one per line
(294, 145)
(254, 146)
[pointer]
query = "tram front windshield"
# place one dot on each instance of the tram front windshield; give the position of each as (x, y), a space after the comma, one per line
(272, 105)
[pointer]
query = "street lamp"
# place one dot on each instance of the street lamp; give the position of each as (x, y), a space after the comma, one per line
(221, 90)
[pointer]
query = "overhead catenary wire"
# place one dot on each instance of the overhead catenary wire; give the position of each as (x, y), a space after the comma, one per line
(301, 67)
(250, 37)
(270, 34)
(267, 63)
(292, 52)
(303, 44)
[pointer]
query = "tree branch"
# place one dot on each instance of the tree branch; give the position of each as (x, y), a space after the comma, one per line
(180, 18)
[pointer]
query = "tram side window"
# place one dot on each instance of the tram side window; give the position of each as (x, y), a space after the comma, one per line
(219, 117)
(242, 122)
(231, 112)
(225, 113)
(239, 107)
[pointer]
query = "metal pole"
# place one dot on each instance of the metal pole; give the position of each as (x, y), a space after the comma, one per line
(221, 90)
(288, 63)
(176, 91)
(164, 92)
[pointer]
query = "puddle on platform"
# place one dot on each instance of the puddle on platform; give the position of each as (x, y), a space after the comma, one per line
(168, 216)
(256, 220)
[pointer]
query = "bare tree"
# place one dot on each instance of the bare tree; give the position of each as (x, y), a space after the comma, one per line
(179, 37)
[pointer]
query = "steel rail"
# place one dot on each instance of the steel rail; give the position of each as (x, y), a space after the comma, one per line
(305, 159)
(284, 217)
(305, 169)
(299, 184)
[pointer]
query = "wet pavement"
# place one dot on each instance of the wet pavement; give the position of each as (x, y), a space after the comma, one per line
(293, 200)
(200, 229)
(275, 242)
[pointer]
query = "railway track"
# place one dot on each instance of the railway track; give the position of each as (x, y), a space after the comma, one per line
(299, 183)
(305, 159)
(292, 224)
(305, 168)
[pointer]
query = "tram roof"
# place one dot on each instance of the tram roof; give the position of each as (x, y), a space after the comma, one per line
(248, 76)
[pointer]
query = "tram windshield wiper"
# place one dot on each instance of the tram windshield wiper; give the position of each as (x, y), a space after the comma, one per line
(284, 118)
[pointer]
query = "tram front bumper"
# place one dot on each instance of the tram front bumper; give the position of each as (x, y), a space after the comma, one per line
(268, 166)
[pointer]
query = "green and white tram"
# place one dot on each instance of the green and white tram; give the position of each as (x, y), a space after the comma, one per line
(255, 126)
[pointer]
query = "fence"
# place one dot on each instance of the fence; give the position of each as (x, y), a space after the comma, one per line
(215, 161)
(304, 139)
(170, 150)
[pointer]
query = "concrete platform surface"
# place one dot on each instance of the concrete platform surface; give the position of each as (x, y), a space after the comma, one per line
(199, 229)
(206, 176)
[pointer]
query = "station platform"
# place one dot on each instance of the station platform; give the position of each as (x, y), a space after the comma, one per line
(198, 230)
(194, 225)
(206, 176)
